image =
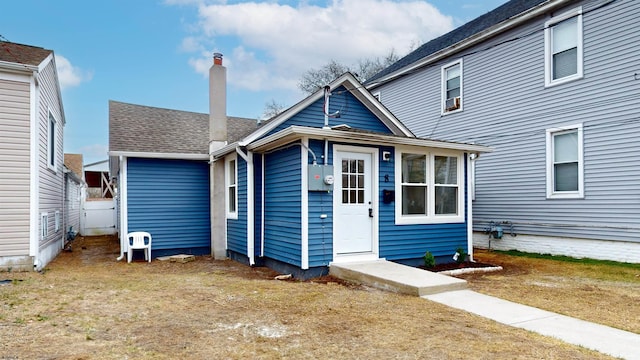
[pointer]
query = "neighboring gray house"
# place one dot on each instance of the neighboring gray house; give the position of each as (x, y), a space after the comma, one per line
(31, 164)
(553, 86)
(74, 191)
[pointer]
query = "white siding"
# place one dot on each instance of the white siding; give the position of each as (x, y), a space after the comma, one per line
(51, 193)
(507, 106)
(14, 165)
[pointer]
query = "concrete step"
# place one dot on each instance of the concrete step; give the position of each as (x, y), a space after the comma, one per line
(390, 276)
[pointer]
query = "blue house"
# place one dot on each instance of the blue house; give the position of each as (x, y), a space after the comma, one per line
(160, 160)
(337, 178)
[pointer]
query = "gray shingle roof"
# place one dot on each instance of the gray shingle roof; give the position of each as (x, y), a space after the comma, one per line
(138, 128)
(477, 25)
(22, 54)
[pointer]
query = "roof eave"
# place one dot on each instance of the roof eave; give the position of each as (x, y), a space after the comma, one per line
(471, 41)
(153, 155)
(293, 133)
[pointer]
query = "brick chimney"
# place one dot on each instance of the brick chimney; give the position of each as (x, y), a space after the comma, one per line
(217, 102)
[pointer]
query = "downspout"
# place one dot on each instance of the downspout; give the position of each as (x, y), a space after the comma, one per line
(248, 158)
(124, 227)
(469, 208)
(262, 207)
(34, 198)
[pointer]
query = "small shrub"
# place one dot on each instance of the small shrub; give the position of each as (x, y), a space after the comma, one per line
(429, 260)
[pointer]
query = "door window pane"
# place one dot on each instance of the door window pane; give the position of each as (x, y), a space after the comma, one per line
(353, 181)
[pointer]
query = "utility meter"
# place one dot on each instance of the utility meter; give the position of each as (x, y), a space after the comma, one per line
(328, 179)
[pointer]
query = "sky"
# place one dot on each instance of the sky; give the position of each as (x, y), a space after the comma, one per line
(158, 52)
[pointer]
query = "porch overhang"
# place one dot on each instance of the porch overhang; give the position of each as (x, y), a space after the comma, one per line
(295, 133)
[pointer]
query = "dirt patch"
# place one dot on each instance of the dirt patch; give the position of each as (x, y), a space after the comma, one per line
(87, 305)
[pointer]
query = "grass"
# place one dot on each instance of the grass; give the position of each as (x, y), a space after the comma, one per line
(88, 306)
(599, 291)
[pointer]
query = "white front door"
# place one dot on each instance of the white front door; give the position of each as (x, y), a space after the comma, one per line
(355, 210)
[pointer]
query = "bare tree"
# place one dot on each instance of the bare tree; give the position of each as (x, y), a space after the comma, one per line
(272, 109)
(315, 79)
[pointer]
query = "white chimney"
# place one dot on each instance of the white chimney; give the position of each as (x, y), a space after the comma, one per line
(218, 101)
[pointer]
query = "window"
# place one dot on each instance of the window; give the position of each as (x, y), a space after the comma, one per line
(57, 221)
(430, 188)
(565, 162)
(51, 143)
(452, 87)
(563, 48)
(352, 181)
(232, 187)
(44, 225)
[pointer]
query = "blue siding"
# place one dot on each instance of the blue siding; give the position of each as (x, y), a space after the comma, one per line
(283, 192)
(257, 171)
(170, 200)
(353, 113)
(320, 230)
(237, 228)
(403, 242)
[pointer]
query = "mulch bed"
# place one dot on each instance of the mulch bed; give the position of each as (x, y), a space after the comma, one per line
(455, 266)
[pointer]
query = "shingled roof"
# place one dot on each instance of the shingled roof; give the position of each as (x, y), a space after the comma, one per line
(479, 24)
(22, 54)
(137, 128)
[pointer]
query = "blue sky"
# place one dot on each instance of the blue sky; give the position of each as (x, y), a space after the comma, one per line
(157, 52)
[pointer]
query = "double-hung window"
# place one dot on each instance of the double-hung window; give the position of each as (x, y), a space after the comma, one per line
(430, 186)
(51, 142)
(451, 87)
(44, 225)
(565, 167)
(231, 180)
(563, 47)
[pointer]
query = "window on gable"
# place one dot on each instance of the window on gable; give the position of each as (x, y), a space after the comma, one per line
(563, 47)
(452, 87)
(430, 186)
(565, 162)
(232, 187)
(51, 142)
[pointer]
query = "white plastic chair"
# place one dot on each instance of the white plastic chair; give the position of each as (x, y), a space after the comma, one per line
(139, 240)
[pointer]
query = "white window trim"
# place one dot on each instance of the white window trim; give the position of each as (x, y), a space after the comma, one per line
(443, 88)
(44, 225)
(230, 215)
(377, 95)
(57, 221)
(551, 194)
(51, 147)
(548, 52)
(431, 217)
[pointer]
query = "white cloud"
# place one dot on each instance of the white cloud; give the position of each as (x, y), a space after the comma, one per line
(275, 43)
(69, 75)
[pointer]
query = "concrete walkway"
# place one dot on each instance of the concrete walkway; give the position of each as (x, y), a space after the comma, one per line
(453, 292)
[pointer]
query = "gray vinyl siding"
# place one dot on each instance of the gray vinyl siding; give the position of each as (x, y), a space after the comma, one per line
(72, 206)
(14, 162)
(507, 106)
(51, 194)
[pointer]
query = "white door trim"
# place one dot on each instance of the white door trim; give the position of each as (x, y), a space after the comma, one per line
(374, 255)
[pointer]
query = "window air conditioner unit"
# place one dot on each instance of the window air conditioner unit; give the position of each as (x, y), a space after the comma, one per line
(453, 103)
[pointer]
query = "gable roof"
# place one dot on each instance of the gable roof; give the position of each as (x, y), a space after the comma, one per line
(357, 90)
(495, 21)
(22, 54)
(146, 129)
